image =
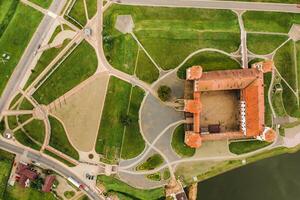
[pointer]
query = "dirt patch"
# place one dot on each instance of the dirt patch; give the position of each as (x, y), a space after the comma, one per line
(81, 112)
(221, 107)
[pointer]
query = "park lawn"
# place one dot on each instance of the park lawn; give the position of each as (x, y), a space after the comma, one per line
(44, 61)
(269, 21)
(25, 140)
(36, 130)
(91, 7)
(133, 142)
(49, 153)
(264, 43)
(173, 31)
(59, 139)
(246, 146)
(145, 69)
(268, 111)
(290, 101)
(78, 66)
(178, 144)
(151, 163)
(12, 122)
(210, 61)
(111, 129)
(6, 7)
(78, 13)
(16, 38)
(285, 63)
(112, 184)
(17, 192)
(6, 161)
(123, 53)
(43, 3)
(169, 52)
(277, 103)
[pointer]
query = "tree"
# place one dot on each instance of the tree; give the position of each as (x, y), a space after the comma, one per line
(164, 92)
(125, 120)
(2, 126)
(37, 183)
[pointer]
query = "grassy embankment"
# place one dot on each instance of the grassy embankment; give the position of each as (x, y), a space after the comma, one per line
(112, 184)
(6, 162)
(151, 163)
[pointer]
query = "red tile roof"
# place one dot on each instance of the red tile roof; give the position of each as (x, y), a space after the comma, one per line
(48, 183)
(194, 73)
(192, 139)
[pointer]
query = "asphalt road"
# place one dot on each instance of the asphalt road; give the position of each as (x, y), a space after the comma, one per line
(51, 165)
(28, 56)
(217, 5)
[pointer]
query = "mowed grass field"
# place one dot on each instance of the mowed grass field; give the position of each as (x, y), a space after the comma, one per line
(112, 134)
(112, 184)
(78, 13)
(59, 139)
(78, 66)
(263, 43)
(270, 21)
(210, 61)
(16, 38)
(168, 34)
(6, 161)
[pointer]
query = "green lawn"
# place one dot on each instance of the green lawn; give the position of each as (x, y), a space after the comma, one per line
(270, 21)
(25, 140)
(263, 43)
(69, 194)
(8, 9)
(16, 38)
(133, 143)
(268, 112)
(91, 7)
(285, 63)
(17, 192)
(246, 146)
(59, 139)
(178, 144)
(59, 158)
(44, 61)
(145, 69)
(78, 66)
(43, 3)
(210, 61)
(78, 13)
(36, 130)
(165, 32)
(6, 161)
(114, 185)
(151, 163)
(278, 104)
(122, 53)
(111, 130)
(12, 122)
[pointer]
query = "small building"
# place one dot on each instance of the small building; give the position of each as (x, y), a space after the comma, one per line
(25, 175)
(49, 180)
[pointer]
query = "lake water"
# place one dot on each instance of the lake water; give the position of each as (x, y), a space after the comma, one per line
(276, 178)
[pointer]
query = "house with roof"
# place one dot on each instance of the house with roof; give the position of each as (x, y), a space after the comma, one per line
(248, 83)
(25, 175)
(49, 180)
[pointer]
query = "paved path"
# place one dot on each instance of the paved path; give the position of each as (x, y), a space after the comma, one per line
(278, 7)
